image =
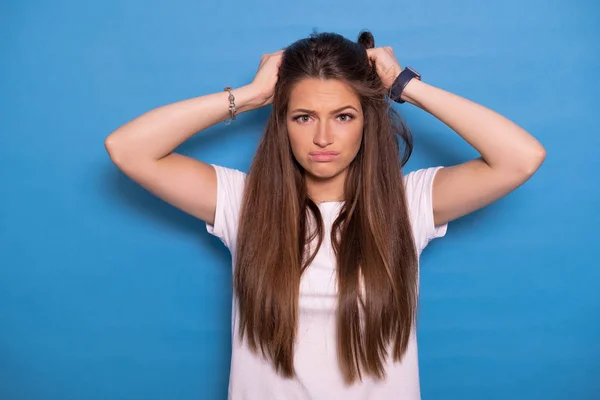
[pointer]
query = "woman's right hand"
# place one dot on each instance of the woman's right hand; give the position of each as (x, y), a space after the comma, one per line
(266, 76)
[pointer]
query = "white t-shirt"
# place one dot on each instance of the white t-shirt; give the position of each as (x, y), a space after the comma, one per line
(315, 355)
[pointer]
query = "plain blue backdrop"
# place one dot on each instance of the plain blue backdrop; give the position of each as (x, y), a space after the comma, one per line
(106, 292)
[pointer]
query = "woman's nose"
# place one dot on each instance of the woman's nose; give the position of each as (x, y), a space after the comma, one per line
(323, 136)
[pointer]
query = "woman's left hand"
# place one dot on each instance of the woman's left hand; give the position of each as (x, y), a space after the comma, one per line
(388, 67)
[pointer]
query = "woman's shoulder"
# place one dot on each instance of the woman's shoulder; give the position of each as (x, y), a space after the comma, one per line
(418, 186)
(417, 181)
(228, 174)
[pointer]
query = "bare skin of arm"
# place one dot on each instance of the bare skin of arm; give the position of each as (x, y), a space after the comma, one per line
(143, 148)
(509, 154)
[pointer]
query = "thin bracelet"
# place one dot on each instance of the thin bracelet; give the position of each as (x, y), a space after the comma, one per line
(232, 108)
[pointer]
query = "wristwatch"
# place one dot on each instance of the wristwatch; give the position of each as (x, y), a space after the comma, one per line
(400, 83)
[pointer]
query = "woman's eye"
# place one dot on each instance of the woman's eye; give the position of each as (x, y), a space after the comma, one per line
(302, 118)
(346, 117)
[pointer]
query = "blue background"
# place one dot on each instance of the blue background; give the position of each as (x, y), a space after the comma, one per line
(109, 293)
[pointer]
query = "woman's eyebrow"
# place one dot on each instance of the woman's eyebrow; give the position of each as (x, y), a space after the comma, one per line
(332, 112)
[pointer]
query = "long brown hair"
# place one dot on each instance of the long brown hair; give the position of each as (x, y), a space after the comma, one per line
(371, 236)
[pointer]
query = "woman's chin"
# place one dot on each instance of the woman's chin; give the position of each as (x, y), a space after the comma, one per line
(323, 171)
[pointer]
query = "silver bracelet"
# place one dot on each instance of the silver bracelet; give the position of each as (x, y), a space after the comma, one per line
(232, 108)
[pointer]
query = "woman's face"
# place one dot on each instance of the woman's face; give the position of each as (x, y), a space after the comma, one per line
(324, 116)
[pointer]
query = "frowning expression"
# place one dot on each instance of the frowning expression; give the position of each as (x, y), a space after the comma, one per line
(325, 126)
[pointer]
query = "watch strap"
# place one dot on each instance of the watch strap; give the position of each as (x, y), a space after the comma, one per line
(400, 83)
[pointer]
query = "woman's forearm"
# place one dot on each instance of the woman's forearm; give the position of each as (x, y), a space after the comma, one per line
(158, 132)
(501, 143)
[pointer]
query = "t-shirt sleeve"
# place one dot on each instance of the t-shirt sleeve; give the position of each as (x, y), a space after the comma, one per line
(419, 194)
(230, 190)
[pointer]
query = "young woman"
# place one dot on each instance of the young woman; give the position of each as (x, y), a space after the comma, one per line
(325, 231)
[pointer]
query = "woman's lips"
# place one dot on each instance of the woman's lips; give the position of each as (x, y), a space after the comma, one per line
(323, 156)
